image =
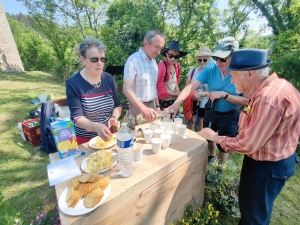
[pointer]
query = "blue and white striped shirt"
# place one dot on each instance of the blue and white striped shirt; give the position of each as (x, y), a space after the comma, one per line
(96, 104)
(143, 71)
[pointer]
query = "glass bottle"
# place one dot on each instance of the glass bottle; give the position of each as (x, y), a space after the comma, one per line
(129, 118)
(159, 115)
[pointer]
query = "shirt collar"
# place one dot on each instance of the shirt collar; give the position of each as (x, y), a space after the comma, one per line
(143, 54)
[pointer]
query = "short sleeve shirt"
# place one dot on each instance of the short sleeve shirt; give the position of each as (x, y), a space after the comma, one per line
(143, 71)
(212, 76)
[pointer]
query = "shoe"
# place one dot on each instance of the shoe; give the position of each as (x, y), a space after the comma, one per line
(212, 159)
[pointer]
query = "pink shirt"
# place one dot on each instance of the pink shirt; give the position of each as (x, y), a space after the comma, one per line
(271, 130)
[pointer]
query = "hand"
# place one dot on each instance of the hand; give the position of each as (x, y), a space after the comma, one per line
(149, 114)
(103, 131)
(197, 96)
(113, 122)
(216, 95)
(209, 134)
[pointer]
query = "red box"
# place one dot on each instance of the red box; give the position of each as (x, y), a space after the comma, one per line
(34, 140)
(30, 129)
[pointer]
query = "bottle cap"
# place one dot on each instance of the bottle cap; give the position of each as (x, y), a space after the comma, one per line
(82, 154)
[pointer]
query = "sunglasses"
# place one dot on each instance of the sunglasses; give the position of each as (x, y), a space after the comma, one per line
(96, 59)
(173, 56)
(200, 60)
(218, 58)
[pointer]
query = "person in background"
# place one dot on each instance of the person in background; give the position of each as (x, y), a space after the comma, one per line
(269, 130)
(200, 98)
(92, 94)
(224, 108)
(169, 75)
(140, 76)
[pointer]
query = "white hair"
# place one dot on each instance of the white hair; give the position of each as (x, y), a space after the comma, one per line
(263, 72)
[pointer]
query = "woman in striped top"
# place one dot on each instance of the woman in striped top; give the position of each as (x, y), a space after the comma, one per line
(92, 94)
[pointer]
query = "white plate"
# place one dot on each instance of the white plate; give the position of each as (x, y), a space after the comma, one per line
(84, 162)
(79, 209)
(92, 141)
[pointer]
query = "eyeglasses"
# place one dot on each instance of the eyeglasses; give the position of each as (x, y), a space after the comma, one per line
(218, 58)
(96, 59)
(200, 60)
(173, 56)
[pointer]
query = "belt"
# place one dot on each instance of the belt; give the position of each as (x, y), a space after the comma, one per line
(228, 112)
(149, 101)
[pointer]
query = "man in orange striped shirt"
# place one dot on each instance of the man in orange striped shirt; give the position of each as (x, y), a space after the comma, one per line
(269, 130)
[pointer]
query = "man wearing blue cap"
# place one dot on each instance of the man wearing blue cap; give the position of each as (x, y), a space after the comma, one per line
(269, 130)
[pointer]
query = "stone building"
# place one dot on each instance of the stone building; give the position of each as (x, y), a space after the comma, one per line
(10, 60)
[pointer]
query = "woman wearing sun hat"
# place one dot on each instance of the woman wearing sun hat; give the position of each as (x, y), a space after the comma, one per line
(169, 75)
(200, 98)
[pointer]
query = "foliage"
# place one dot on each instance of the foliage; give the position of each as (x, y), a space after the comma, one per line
(8, 215)
(46, 218)
(224, 187)
(34, 50)
(200, 216)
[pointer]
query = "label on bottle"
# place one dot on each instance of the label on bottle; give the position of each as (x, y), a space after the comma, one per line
(125, 144)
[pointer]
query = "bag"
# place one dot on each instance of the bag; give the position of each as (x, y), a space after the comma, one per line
(48, 143)
(188, 106)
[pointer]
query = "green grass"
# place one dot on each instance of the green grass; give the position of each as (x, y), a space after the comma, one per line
(23, 173)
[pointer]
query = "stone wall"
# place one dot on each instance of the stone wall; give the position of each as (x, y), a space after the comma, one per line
(10, 60)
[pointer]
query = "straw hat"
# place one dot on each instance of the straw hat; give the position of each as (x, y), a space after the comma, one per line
(204, 52)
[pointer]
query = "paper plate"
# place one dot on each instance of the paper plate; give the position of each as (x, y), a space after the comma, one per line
(93, 140)
(79, 209)
(84, 162)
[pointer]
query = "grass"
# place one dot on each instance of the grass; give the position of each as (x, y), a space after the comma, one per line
(23, 171)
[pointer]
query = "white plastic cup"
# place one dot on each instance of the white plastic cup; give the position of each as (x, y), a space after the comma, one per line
(153, 126)
(156, 145)
(158, 132)
(148, 135)
(178, 121)
(138, 151)
(181, 130)
(165, 140)
(173, 126)
(51, 96)
(172, 134)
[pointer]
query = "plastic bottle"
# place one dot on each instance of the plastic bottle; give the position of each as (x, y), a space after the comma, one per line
(125, 150)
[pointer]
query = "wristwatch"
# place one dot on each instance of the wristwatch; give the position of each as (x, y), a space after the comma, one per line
(225, 96)
(157, 106)
(114, 117)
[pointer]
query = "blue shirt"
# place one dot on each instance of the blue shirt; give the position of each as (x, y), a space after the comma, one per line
(212, 76)
(143, 71)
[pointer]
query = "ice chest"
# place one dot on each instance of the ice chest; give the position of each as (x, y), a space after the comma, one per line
(65, 138)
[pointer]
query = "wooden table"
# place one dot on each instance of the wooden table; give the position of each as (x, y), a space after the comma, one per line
(158, 191)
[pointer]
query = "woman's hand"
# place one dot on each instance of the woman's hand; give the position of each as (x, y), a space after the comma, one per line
(103, 131)
(197, 96)
(113, 122)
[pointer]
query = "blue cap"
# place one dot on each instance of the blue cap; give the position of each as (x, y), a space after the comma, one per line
(82, 153)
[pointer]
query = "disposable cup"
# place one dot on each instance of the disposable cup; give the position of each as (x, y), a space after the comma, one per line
(138, 151)
(158, 132)
(172, 134)
(148, 133)
(153, 126)
(165, 140)
(173, 126)
(181, 130)
(156, 145)
(178, 121)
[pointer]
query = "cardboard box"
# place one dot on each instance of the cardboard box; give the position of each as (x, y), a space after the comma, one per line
(65, 138)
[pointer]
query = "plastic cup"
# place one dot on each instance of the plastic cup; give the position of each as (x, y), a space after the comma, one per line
(158, 132)
(181, 130)
(138, 151)
(148, 135)
(165, 140)
(178, 121)
(153, 126)
(172, 134)
(156, 145)
(173, 126)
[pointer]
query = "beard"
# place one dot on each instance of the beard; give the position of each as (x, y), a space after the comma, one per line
(237, 91)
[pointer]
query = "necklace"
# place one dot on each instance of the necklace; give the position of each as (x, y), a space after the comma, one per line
(94, 85)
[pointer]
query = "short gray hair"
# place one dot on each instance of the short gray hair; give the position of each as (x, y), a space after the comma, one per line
(91, 42)
(150, 35)
(263, 72)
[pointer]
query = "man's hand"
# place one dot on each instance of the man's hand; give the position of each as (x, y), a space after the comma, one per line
(216, 95)
(209, 134)
(149, 114)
